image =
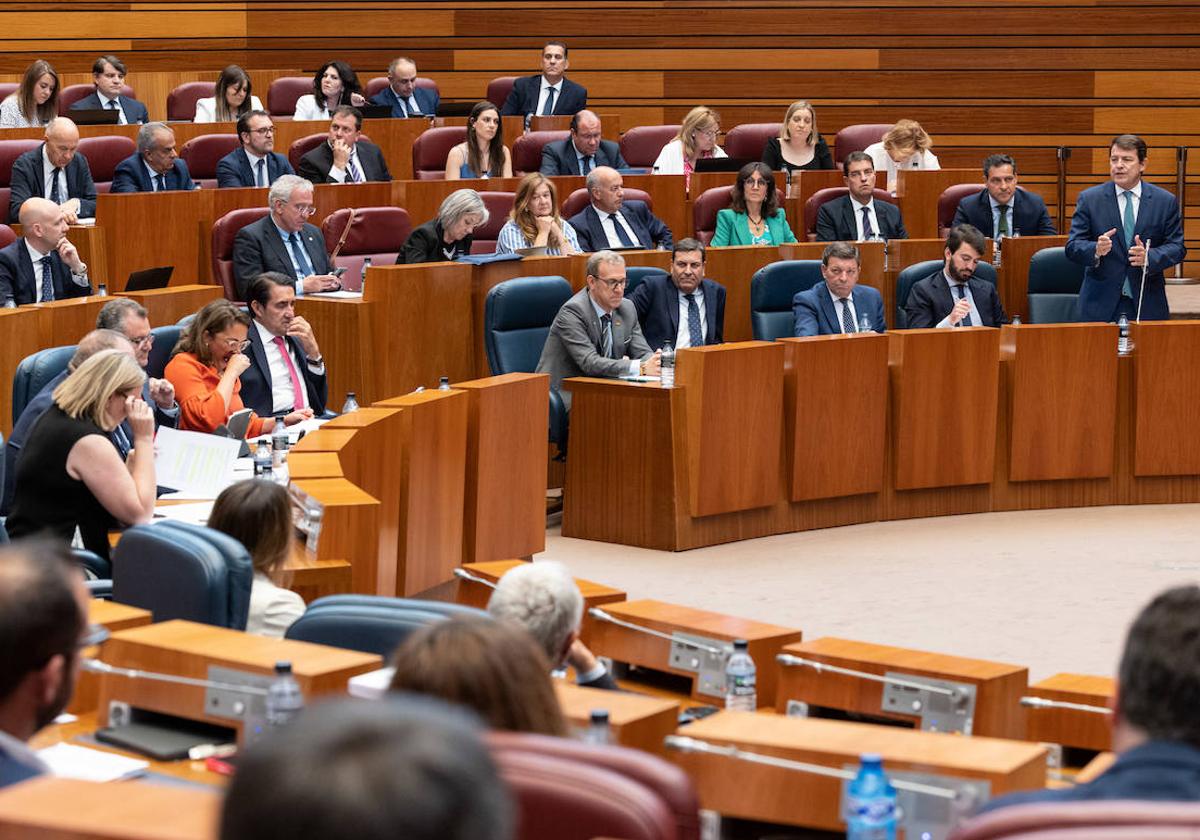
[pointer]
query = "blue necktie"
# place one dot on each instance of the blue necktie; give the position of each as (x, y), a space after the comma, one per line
(868, 231)
(961, 290)
(548, 108)
(847, 320)
(301, 257)
(695, 332)
(585, 164)
(261, 178)
(47, 280)
(160, 182)
(626, 242)
(55, 196)
(352, 174)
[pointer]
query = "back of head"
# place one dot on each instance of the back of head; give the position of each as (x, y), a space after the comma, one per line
(404, 768)
(113, 314)
(492, 667)
(94, 342)
(1159, 677)
(259, 516)
(543, 598)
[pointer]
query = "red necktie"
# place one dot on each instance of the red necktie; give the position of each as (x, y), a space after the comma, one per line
(297, 385)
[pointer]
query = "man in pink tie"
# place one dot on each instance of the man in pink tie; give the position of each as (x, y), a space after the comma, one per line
(286, 375)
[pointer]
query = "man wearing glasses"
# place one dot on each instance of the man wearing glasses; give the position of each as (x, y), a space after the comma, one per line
(402, 93)
(284, 241)
(255, 163)
(130, 319)
(596, 333)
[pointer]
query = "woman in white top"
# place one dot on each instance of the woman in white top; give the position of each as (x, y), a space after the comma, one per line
(697, 139)
(333, 85)
(905, 146)
(258, 514)
(534, 221)
(232, 100)
(35, 102)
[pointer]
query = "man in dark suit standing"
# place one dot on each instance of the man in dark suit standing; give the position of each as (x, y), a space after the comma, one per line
(54, 171)
(953, 296)
(839, 304)
(255, 163)
(402, 93)
(155, 166)
(583, 151)
(1120, 229)
(42, 265)
(1001, 209)
(108, 74)
(548, 93)
(284, 241)
(858, 216)
(286, 377)
(596, 333)
(682, 309)
(610, 221)
(344, 158)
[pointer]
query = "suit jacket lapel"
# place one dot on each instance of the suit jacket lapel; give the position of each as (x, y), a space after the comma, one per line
(710, 309)
(277, 245)
(941, 288)
(595, 229)
(25, 275)
(259, 356)
(828, 310)
(848, 219)
(246, 168)
(310, 247)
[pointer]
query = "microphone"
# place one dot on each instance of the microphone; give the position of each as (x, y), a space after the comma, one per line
(96, 666)
(601, 615)
(1142, 290)
(1043, 703)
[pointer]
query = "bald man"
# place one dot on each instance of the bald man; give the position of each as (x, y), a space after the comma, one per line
(42, 265)
(55, 171)
(583, 151)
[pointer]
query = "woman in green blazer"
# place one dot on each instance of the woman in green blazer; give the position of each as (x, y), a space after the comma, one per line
(755, 217)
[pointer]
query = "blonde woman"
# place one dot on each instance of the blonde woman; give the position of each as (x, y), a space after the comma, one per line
(69, 474)
(534, 221)
(697, 139)
(905, 146)
(799, 144)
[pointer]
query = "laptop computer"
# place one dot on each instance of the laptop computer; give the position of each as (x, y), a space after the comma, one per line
(455, 109)
(94, 116)
(376, 112)
(149, 278)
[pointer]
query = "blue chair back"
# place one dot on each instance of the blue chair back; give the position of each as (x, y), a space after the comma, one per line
(635, 275)
(34, 372)
(370, 623)
(771, 291)
(186, 319)
(516, 320)
(94, 566)
(1054, 283)
(165, 339)
(179, 570)
(916, 272)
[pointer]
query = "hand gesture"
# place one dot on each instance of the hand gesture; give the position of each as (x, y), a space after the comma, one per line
(297, 417)
(237, 364)
(1137, 254)
(545, 224)
(341, 153)
(302, 332)
(961, 310)
(140, 417)
(70, 210)
(357, 100)
(1104, 243)
(70, 255)
(652, 366)
(162, 392)
(321, 283)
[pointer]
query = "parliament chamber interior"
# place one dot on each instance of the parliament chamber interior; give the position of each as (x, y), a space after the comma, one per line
(933, 541)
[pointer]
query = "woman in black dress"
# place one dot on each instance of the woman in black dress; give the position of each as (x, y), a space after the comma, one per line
(799, 144)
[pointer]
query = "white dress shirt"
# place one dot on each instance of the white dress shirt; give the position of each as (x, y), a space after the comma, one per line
(283, 398)
(545, 91)
(104, 100)
(858, 218)
(36, 258)
(340, 175)
(610, 231)
(254, 159)
(1137, 204)
(684, 338)
(837, 310)
(206, 109)
(976, 321)
(48, 172)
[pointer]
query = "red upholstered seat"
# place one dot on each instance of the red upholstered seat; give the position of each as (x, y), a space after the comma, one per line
(73, 93)
(573, 204)
(948, 204)
(813, 205)
(749, 139)
(7, 88)
(704, 211)
(527, 150)
(855, 138)
(499, 88)
(1095, 820)
(432, 147)
(224, 230)
(103, 154)
(10, 150)
(7, 237)
(377, 84)
(181, 101)
(283, 93)
(377, 232)
(302, 146)
(499, 205)
(641, 144)
(203, 153)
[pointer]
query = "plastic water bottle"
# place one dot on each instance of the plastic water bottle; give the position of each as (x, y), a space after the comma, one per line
(996, 248)
(740, 678)
(871, 803)
(598, 731)
(351, 404)
(444, 383)
(362, 287)
(279, 444)
(864, 325)
(284, 698)
(262, 461)
(1124, 342)
(666, 366)
(101, 289)
(1016, 320)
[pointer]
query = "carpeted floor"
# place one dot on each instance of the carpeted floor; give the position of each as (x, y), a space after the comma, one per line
(1053, 590)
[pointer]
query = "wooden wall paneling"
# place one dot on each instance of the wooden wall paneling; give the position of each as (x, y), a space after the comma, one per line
(917, 193)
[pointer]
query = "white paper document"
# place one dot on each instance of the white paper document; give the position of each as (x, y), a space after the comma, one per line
(197, 465)
(340, 293)
(71, 762)
(196, 513)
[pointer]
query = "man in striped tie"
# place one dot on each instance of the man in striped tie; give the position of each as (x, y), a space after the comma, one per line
(345, 158)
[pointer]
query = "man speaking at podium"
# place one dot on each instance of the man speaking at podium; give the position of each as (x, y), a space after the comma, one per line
(1122, 230)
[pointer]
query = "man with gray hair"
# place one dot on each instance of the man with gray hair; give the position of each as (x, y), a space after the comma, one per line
(596, 333)
(610, 221)
(55, 171)
(132, 320)
(284, 241)
(543, 598)
(155, 166)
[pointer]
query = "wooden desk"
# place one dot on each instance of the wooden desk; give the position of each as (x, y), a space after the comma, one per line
(634, 721)
(1015, 255)
(999, 687)
(733, 268)
(19, 338)
(917, 193)
(145, 230)
(63, 322)
(167, 306)
(113, 617)
(1070, 727)
(1165, 387)
(345, 331)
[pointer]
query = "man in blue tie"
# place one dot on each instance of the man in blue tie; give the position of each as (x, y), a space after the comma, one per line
(155, 166)
(402, 93)
(839, 305)
(683, 308)
(953, 296)
(42, 265)
(549, 92)
(583, 151)
(1121, 229)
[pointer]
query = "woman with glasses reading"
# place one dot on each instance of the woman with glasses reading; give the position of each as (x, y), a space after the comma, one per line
(697, 139)
(754, 217)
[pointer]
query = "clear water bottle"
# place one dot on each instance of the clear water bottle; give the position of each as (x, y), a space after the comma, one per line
(740, 678)
(262, 461)
(363, 282)
(284, 698)
(997, 246)
(1016, 320)
(279, 444)
(101, 289)
(864, 325)
(871, 803)
(666, 366)
(444, 383)
(1124, 342)
(351, 404)
(316, 515)
(598, 731)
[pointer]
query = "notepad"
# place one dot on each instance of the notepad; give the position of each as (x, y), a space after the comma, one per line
(71, 762)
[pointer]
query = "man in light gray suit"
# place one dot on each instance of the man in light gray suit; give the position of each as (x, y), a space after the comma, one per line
(596, 333)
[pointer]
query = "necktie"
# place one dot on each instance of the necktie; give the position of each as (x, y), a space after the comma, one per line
(626, 242)
(1128, 220)
(414, 110)
(548, 108)
(868, 231)
(160, 182)
(54, 194)
(261, 178)
(114, 106)
(606, 336)
(352, 173)
(695, 332)
(47, 280)
(847, 318)
(297, 386)
(585, 165)
(301, 257)
(961, 291)
(1002, 225)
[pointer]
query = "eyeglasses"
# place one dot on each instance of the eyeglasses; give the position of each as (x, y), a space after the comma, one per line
(270, 129)
(234, 344)
(757, 183)
(304, 210)
(614, 284)
(142, 340)
(708, 132)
